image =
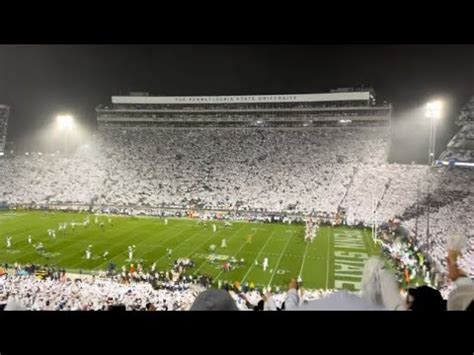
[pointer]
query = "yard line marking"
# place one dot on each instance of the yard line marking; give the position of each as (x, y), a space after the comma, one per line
(230, 236)
(123, 232)
(304, 258)
(279, 260)
(238, 251)
(157, 246)
(256, 258)
(200, 245)
(180, 243)
(130, 239)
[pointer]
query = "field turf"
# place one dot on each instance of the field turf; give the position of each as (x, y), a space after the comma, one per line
(334, 260)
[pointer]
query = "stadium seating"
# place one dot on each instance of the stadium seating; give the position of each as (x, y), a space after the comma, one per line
(272, 170)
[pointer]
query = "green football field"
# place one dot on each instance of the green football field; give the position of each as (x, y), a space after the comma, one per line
(334, 260)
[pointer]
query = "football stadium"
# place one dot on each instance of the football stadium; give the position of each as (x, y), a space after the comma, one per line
(256, 202)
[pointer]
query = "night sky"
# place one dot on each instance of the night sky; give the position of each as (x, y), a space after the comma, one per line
(38, 81)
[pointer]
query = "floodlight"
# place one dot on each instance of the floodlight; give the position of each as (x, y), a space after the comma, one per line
(65, 122)
(433, 109)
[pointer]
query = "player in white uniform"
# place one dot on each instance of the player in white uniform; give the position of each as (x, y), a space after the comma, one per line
(427, 278)
(29, 239)
(214, 227)
(105, 254)
(9, 242)
(265, 264)
(39, 247)
(166, 221)
(130, 252)
(316, 231)
(223, 243)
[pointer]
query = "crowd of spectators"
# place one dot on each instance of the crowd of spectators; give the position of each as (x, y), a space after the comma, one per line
(285, 171)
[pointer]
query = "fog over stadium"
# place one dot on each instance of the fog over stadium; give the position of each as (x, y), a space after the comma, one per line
(40, 81)
(203, 177)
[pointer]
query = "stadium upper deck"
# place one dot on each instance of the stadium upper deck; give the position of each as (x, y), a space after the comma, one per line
(4, 113)
(460, 150)
(299, 110)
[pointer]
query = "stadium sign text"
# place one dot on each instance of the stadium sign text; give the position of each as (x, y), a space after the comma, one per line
(325, 97)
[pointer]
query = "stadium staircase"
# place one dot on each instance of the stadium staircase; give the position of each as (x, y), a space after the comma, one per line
(354, 172)
(387, 186)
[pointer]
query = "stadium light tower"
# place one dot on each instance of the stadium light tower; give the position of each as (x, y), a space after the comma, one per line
(433, 112)
(65, 123)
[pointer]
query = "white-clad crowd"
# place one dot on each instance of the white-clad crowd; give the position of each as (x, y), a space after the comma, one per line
(275, 301)
(277, 170)
(96, 294)
(31, 293)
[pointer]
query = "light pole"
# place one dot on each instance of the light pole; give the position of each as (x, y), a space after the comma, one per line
(433, 112)
(417, 209)
(374, 217)
(428, 244)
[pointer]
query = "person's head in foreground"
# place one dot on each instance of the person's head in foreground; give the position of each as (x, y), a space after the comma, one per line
(425, 298)
(214, 300)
